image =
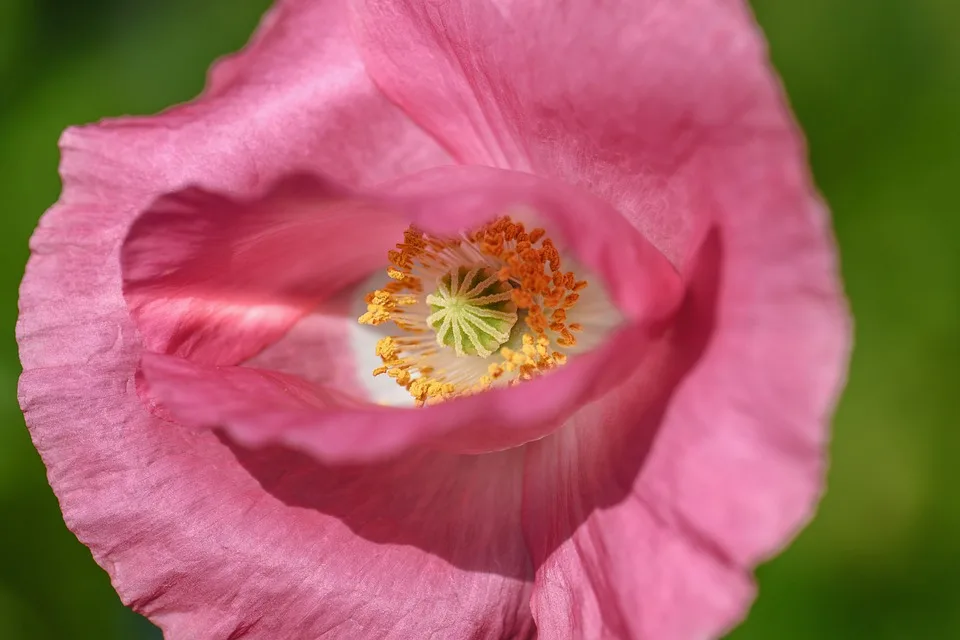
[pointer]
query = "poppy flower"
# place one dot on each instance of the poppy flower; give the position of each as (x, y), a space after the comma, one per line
(442, 319)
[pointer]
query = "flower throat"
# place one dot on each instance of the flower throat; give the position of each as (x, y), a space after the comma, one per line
(496, 311)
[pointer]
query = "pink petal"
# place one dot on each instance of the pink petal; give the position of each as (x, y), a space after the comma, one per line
(647, 512)
(205, 546)
(257, 407)
(615, 96)
(211, 541)
(217, 280)
(296, 99)
(712, 461)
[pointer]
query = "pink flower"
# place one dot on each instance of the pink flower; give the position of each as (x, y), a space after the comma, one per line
(202, 394)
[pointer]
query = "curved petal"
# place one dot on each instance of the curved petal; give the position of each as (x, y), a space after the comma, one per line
(205, 544)
(669, 111)
(217, 280)
(712, 461)
(210, 541)
(296, 99)
(442, 202)
(615, 97)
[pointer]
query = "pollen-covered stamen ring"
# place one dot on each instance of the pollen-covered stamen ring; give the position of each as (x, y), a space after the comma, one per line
(498, 312)
(472, 311)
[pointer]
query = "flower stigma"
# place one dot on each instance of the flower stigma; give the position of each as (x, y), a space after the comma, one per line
(473, 311)
(499, 311)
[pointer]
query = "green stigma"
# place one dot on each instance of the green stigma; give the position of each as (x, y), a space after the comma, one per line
(472, 311)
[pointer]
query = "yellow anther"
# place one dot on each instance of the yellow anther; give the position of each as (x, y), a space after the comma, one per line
(566, 340)
(402, 376)
(530, 268)
(530, 351)
(380, 297)
(375, 315)
(386, 348)
(418, 388)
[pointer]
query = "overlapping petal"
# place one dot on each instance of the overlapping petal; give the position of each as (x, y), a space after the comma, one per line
(259, 407)
(668, 490)
(206, 539)
(217, 280)
(211, 541)
(641, 516)
(616, 96)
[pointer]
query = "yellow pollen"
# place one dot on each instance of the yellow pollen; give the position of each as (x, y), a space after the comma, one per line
(497, 313)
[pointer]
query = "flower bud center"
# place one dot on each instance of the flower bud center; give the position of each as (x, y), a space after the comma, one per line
(472, 311)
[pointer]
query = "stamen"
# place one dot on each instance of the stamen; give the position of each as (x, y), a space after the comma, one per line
(498, 311)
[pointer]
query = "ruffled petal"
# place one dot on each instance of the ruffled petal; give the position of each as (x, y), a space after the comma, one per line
(212, 541)
(296, 99)
(257, 408)
(669, 111)
(647, 514)
(207, 540)
(614, 97)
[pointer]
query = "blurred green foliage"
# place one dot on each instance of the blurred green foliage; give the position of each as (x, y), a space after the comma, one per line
(876, 86)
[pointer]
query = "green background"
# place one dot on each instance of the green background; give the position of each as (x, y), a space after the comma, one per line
(876, 84)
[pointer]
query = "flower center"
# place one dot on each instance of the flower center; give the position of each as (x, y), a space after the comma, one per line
(497, 314)
(473, 311)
